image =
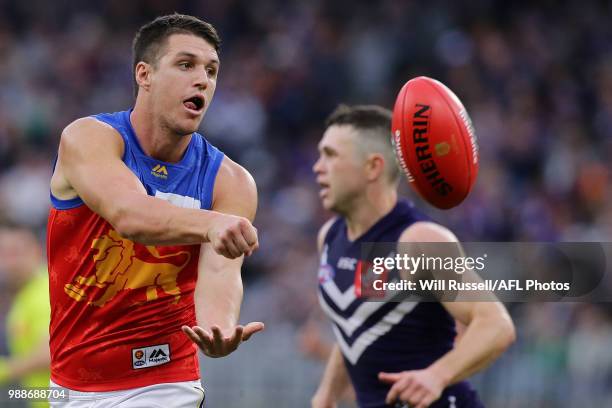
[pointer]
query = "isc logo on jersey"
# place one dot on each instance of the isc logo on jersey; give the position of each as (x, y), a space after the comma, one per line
(347, 263)
(150, 356)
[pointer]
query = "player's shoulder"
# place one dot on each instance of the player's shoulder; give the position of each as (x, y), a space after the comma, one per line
(88, 130)
(323, 232)
(231, 173)
(88, 123)
(234, 183)
(427, 231)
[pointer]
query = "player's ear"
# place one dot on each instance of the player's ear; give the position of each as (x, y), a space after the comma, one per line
(142, 73)
(375, 166)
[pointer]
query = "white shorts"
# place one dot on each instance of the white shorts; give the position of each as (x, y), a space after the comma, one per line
(186, 394)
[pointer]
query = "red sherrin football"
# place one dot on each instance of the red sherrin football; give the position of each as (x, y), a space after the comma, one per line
(435, 142)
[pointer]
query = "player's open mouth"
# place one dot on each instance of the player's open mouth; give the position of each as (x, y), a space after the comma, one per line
(194, 104)
(324, 188)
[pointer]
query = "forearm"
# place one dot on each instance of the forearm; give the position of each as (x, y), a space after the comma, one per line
(218, 299)
(152, 221)
(485, 338)
(335, 380)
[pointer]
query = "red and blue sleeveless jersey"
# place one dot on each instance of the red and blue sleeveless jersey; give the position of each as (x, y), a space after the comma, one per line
(378, 336)
(117, 306)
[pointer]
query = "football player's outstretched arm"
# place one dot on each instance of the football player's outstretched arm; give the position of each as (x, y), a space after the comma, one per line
(489, 332)
(218, 292)
(90, 166)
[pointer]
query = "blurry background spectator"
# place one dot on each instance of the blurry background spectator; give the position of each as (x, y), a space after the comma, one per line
(24, 276)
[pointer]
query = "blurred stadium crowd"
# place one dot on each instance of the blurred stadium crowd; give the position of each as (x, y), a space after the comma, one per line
(536, 79)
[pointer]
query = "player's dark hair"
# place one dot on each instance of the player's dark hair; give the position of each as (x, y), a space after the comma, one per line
(361, 117)
(151, 37)
(372, 121)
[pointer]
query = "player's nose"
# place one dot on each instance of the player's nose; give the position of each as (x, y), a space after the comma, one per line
(317, 166)
(201, 79)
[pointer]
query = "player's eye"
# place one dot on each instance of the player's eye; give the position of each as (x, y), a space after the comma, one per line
(328, 152)
(212, 72)
(185, 65)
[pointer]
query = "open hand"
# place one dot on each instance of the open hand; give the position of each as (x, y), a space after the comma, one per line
(215, 344)
(420, 388)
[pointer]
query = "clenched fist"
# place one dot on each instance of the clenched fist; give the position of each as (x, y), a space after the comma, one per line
(232, 236)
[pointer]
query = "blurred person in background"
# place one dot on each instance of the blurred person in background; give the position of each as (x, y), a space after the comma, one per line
(27, 324)
(394, 353)
(147, 233)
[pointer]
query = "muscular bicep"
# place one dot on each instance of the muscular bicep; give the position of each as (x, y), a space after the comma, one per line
(427, 242)
(433, 240)
(90, 164)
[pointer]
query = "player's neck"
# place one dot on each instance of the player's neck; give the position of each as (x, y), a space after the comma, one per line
(155, 140)
(367, 211)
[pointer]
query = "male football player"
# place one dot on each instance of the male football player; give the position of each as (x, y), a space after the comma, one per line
(147, 233)
(398, 354)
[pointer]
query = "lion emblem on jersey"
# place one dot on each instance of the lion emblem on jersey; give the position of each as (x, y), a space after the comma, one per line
(120, 265)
